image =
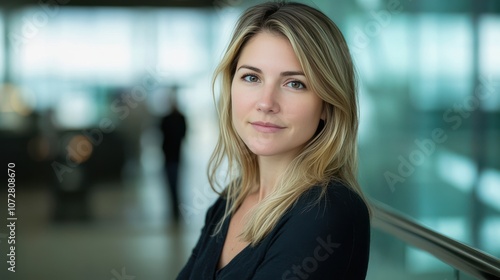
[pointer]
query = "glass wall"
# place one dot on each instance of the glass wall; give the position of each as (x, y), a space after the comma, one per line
(430, 113)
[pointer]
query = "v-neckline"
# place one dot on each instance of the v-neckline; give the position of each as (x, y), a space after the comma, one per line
(225, 230)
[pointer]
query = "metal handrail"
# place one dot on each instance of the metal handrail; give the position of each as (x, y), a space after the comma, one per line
(460, 256)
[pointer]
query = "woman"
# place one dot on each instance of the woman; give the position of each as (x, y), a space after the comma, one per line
(288, 128)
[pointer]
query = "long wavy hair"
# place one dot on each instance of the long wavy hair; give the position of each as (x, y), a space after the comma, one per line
(331, 154)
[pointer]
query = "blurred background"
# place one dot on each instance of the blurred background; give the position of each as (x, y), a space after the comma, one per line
(86, 86)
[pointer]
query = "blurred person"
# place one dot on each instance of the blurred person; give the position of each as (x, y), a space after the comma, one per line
(288, 127)
(173, 127)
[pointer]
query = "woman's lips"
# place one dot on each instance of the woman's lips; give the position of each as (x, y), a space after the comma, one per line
(266, 127)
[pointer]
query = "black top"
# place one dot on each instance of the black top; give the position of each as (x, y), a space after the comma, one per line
(330, 240)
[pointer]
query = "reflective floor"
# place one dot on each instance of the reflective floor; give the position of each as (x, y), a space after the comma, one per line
(129, 234)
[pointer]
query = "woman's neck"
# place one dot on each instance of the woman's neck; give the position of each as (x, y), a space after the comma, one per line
(270, 168)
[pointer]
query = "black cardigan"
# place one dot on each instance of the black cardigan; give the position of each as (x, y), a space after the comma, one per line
(330, 240)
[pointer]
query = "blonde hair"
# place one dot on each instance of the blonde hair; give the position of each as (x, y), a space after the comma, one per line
(330, 155)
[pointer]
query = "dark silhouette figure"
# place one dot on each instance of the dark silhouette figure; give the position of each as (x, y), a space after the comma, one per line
(173, 126)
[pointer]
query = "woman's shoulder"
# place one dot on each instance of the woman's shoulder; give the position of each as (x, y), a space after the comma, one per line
(333, 220)
(335, 204)
(335, 193)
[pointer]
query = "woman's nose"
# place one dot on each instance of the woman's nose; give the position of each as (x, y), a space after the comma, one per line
(268, 102)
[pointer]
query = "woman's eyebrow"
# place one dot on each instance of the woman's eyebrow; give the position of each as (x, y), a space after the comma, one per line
(292, 73)
(286, 73)
(251, 68)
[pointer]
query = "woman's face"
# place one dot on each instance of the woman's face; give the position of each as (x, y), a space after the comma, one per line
(273, 109)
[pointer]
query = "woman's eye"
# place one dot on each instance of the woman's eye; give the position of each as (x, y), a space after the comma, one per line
(296, 85)
(250, 78)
